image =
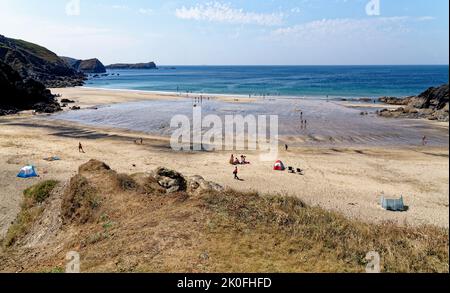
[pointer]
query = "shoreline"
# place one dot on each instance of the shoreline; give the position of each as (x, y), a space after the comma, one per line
(331, 98)
(330, 123)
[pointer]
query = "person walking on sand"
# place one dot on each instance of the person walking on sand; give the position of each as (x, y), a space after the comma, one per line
(287, 147)
(424, 140)
(235, 173)
(80, 148)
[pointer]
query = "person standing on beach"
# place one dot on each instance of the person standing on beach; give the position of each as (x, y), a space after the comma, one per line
(424, 140)
(287, 147)
(80, 148)
(235, 173)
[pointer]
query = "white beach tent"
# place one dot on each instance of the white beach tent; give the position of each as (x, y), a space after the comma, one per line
(27, 172)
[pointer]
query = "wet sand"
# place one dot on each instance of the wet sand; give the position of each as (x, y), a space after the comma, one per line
(325, 124)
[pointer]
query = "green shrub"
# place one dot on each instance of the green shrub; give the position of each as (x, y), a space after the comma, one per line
(41, 191)
(30, 210)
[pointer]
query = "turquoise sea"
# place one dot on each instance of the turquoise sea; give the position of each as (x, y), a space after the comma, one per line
(298, 81)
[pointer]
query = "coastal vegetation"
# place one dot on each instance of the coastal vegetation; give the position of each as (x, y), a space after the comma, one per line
(35, 62)
(31, 209)
(141, 223)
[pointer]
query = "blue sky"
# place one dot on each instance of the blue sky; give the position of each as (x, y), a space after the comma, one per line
(251, 32)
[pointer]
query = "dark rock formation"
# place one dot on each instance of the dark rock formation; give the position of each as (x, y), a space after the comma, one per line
(394, 101)
(92, 66)
(18, 94)
(86, 66)
(197, 184)
(171, 180)
(67, 101)
(32, 61)
(149, 65)
(433, 98)
(433, 104)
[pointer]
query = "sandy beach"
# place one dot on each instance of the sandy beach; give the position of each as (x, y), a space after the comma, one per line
(350, 180)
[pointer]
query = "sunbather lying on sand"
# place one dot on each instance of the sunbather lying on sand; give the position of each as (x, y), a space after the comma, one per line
(244, 160)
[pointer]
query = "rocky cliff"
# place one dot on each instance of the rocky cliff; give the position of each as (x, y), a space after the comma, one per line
(18, 94)
(149, 65)
(32, 61)
(433, 104)
(86, 66)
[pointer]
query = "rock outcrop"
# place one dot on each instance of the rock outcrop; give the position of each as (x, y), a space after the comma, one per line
(197, 184)
(149, 65)
(173, 181)
(170, 180)
(18, 94)
(86, 66)
(433, 104)
(32, 61)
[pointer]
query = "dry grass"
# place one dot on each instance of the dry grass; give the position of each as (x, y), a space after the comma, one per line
(271, 233)
(126, 182)
(80, 201)
(139, 228)
(31, 209)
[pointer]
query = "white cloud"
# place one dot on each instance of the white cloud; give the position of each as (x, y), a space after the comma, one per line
(371, 40)
(219, 12)
(347, 27)
(120, 7)
(145, 11)
(426, 18)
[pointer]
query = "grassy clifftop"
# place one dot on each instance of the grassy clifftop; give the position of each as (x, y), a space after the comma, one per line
(130, 223)
(37, 50)
(38, 63)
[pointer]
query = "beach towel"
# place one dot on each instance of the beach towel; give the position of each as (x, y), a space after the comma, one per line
(51, 159)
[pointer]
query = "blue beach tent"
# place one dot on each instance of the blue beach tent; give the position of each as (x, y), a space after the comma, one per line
(27, 172)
